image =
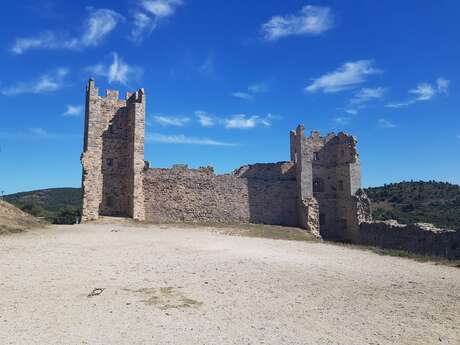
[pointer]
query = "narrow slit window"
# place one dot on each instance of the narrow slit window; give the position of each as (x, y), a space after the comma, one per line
(316, 156)
(109, 162)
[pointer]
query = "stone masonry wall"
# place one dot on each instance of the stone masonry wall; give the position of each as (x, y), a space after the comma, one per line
(261, 193)
(417, 238)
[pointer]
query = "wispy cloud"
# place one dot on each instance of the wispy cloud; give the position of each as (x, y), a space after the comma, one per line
(185, 140)
(49, 82)
(243, 95)
(118, 71)
(171, 120)
(311, 20)
(366, 95)
(349, 75)
(385, 124)
(237, 121)
(342, 120)
(98, 25)
(208, 67)
(36, 134)
(259, 88)
(150, 14)
(443, 85)
(73, 111)
(423, 92)
(253, 90)
(205, 119)
(243, 121)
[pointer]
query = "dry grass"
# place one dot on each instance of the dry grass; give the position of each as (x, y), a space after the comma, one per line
(13, 220)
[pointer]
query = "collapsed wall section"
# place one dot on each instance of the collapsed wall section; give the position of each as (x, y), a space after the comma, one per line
(418, 238)
(260, 193)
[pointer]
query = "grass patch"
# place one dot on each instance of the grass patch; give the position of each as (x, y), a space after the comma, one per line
(275, 232)
(436, 260)
(417, 257)
(6, 230)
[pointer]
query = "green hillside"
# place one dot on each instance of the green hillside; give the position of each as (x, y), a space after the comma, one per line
(56, 205)
(410, 202)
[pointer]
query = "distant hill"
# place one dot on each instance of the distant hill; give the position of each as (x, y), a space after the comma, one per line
(56, 205)
(410, 202)
(407, 202)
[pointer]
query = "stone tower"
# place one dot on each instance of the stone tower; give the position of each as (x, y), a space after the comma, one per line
(328, 174)
(113, 155)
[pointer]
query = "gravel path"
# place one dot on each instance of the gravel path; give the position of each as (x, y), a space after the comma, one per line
(161, 285)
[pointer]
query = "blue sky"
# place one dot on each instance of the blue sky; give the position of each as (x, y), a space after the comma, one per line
(227, 80)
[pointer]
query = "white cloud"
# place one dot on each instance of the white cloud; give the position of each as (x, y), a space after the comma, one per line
(342, 120)
(386, 124)
(443, 85)
(351, 111)
(366, 95)
(205, 119)
(98, 25)
(171, 120)
(182, 139)
(243, 95)
(311, 20)
(46, 83)
(73, 111)
(151, 13)
(345, 77)
(143, 25)
(237, 121)
(117, 71)
(242, 121)
(161, 8)
(423, 92)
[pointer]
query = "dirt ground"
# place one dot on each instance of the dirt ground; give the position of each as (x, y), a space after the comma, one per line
(116, 284)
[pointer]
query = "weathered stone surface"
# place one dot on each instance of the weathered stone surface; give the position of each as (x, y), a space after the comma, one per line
(310, 216)
(419, 238)
(260, 193)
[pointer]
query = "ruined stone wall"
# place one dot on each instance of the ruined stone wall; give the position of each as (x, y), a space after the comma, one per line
(419, 238)
(113, 155)
(261, 193)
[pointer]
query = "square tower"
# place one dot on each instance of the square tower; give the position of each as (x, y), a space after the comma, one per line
(113, 155)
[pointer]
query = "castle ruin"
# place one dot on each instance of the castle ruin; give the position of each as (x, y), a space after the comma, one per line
(319, 189)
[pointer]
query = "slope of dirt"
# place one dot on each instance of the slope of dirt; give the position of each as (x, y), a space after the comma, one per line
(13, 219)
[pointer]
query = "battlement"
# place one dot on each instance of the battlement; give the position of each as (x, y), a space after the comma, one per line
(114, 95)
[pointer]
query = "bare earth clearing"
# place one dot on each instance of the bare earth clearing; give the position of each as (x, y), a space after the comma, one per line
(172, 285)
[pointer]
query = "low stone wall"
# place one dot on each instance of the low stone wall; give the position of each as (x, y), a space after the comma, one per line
(260, 193)
(417, 238)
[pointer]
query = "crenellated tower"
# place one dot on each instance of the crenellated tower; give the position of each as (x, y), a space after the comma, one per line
(113, 155)
(331, 201)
